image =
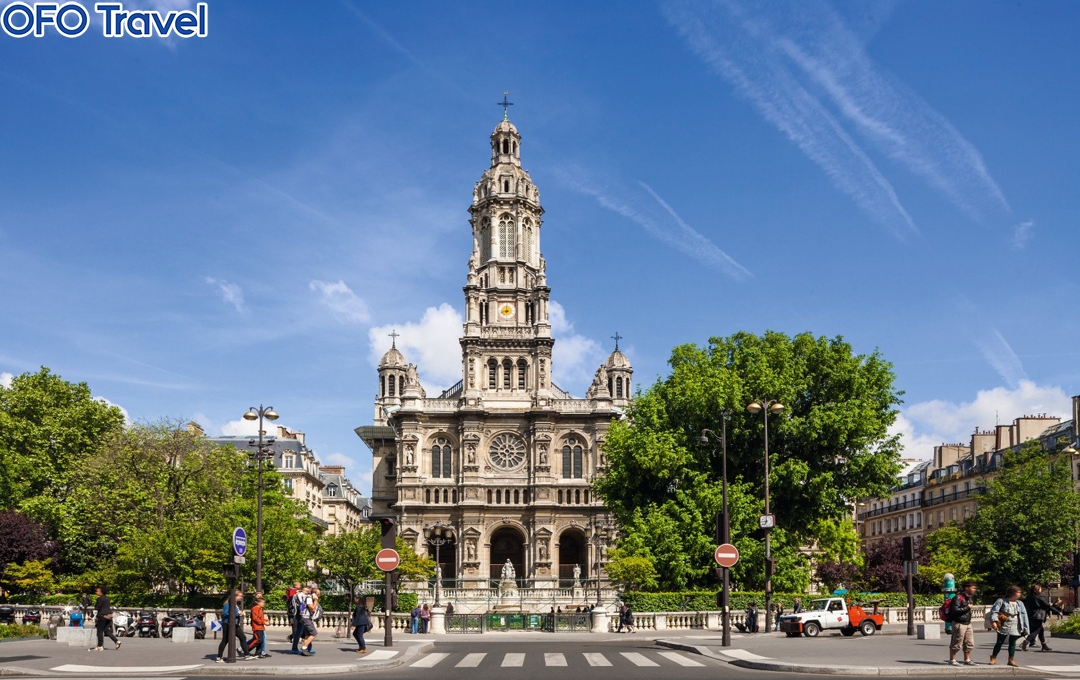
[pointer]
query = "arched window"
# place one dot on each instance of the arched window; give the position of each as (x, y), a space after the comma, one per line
(445, 496)
(514, 145)
(485, 241)
(517, 498)
(527, 239)
(560, 496)
(506, 146)
(618, 387)
(453, 496)
(572, 459)
(507, 366)
(382, 385)
(506, 186)
(506, 233)
(392, 381)
(610, 386)
(525, 496)
(498, 496)
(441, 459)
(401, 384)
(492, 368)
(522, 370)
(436, 495)
(586, 496)
(577, 496)
(427, 496)
(489, 496)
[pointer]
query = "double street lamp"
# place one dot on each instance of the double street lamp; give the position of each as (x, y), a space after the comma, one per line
(598, 539)
(262, 452)
(766, 522)
(725, 528)
(438, 535)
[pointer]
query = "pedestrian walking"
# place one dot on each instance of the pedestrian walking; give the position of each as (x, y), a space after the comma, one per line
(797, 607)
(414, 619)
(309, 603)
(257, 645)
(1039, 610)
(292, 610)
(103, 614)
(628, 617)
(425, 619)
(1009, 618)
(751, 617)
(621, 617)
(778, 611)
(84, 606)
(317, 615)
(959, 615)
(241, 647)
(361, 623)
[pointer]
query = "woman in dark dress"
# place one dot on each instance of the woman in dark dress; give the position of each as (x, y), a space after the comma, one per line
(361, 622)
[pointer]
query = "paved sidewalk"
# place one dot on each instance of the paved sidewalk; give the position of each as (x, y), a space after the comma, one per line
(148, 656)
(876, 655)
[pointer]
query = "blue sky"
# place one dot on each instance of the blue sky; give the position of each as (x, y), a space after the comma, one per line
(196, 226)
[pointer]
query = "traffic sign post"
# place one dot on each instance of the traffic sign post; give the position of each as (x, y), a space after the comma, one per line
(239, 543)
(726, 555)
(388, 560)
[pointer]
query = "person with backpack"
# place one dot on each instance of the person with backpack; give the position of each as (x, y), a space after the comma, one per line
(425, 619)
(361, 623)
(308, 605)
(414, 619)
(293, 615)
(1039, 609)
(1009, 618)
(257, 644)
(241, 646)
(957, 611)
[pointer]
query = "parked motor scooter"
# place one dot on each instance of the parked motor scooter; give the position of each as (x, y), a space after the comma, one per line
(198, 622)
(75, 618)
(172, 620)
(7, 613)
(123, 624)
(147, 624)
(32, 617)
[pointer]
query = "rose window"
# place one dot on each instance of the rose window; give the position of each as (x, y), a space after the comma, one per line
(507, 451)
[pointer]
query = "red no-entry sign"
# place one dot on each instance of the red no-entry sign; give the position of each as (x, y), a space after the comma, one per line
(727, 555)
(387, 559)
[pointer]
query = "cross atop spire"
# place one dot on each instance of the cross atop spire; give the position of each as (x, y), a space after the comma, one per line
(394, 335)
(505, 104)
(617, 338)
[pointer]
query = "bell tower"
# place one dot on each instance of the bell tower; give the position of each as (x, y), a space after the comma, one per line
(506, 345)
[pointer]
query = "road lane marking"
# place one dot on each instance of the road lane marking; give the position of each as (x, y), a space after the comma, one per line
(379, 655)
(639, 659)
(471, 660)
(679, 659)
(742, 654)
(554, 659)
(430, 660)
(597, 660)
(513, 661)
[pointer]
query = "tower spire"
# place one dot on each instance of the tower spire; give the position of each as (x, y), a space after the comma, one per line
(393, 339)
(505, 104)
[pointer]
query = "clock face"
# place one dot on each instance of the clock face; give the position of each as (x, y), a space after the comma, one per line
(506, 310)
(767, 521)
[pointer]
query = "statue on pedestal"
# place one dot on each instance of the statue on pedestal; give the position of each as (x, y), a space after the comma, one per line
(508, 572)
(577, 573)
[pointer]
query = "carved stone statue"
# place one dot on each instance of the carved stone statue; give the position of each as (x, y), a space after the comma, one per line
(577, 573)
(508, 571)
(542, 550)
(410, 452)
(470, 454)
(470, 550)
(543, 454)
(411, 377)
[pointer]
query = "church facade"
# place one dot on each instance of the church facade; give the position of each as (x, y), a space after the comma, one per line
(504, 457)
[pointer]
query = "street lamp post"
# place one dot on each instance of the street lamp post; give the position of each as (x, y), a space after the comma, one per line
(260, 454)
(438, 535)
(597, 540)
(725, 530)
(765, 407)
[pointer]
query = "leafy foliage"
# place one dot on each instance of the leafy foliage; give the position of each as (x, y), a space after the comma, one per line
(33, 576)
(22, 539)
(1027, 520)
(948, 554)
(884, 566)
(705, 600)
(630, 571)
(9, 631)
(829, 446)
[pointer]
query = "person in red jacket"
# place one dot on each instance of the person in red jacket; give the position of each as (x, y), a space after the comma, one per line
(258, 627)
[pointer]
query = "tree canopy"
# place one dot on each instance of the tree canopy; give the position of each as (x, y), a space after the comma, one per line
(829, 446)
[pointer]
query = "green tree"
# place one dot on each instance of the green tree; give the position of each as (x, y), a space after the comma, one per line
(47, 428)
(1027, 521)
(33, 576)
(631, 572)
(949, 554)
(829, 446)
(349, 558)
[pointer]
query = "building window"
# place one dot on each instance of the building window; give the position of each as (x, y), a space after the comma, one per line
(453, 496)
(952, 514)
(577, 496)
(498, 497)
(506, 233)
(516, 497)
(522, 366)
(618, 387)
(401, 385)
(572, 454)
(445, 496)
(427, 497)
(560, 496)
(507, 366)
(489, 496)
(382, 385)
(332, 490)
(492, 368)
(287, 461)
(288, 483)
(441, 458)
(485, 241)
(392, 382)
(525, 496)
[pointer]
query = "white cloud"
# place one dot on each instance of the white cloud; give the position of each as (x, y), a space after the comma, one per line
(346, 305)
(103, 400)
(5, 379)
(431, 344)
(666, 224)
(924, 425)
(575, 357)
(1022, 234)
(808, 74)
(246, 428)
(999, 353)
(230, 292)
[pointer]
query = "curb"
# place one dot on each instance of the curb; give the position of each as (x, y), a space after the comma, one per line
(217, 669)
(788, 667)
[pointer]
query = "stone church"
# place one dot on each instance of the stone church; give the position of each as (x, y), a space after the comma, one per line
(504, 457)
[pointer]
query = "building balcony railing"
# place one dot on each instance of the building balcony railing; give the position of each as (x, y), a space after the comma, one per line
(950, 497)
(895, 507)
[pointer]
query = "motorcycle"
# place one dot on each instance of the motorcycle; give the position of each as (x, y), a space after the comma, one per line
(32, 617)
(7, 613)
(198, 622)
(173, 620)
(75, 618)
(147, 624)
(123, 625)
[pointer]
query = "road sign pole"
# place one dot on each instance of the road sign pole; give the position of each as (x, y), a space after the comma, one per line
(388, 626)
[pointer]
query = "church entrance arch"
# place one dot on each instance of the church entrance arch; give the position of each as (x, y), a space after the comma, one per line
(572, 553)
(507, 543)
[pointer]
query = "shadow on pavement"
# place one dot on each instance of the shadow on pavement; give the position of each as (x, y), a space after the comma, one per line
(13, 659)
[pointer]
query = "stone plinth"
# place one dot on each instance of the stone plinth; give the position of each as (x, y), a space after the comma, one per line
(77, 637)
(600, 620)
(438, 621)
(183, 635)
(928, 631)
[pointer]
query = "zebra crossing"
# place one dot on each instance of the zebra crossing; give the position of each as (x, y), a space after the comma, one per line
(555, 659)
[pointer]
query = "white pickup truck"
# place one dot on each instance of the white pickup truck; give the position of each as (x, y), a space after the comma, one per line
(831, 614)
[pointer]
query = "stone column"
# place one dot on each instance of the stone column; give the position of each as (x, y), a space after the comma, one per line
(438, 621)
(599, 620)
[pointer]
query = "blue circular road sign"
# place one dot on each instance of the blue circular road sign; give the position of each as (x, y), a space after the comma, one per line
(239, 541)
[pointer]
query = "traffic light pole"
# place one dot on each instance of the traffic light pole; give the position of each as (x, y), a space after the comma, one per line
(231, 632)
(388, 622)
